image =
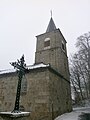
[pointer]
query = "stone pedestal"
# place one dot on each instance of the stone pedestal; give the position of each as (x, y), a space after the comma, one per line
(14, 116)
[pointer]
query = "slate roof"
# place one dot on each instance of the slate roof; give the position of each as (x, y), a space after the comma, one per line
(51, 26)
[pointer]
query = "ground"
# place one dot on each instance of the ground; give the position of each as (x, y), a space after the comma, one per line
(75, 114)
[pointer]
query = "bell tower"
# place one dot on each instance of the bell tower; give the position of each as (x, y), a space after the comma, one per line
(51, 49)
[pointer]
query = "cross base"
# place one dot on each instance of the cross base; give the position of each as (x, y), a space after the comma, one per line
(14, 115)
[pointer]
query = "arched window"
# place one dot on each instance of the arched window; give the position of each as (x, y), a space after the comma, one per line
(24, 86)
(47, 43)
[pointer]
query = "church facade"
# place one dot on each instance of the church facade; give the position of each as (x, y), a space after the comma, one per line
(45, 89)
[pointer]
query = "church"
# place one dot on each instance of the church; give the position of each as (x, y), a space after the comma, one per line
(45, 89)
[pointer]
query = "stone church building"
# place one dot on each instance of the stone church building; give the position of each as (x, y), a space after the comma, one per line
(45, 89)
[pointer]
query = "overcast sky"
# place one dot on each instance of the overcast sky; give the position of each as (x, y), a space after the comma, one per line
(22, 20)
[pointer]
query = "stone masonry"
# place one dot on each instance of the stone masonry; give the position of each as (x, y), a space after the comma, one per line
(44, 88)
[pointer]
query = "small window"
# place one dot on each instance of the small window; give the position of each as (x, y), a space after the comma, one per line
(22, 108)
(63, 47)
(47, 43)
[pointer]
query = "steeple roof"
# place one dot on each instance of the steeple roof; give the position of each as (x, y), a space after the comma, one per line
(51, 26)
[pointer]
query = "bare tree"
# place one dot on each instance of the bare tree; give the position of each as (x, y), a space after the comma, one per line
(76, 76)
(83, 44)
(80, 66)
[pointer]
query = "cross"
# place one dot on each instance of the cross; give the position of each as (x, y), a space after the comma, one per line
(21, 67)
(51, 13)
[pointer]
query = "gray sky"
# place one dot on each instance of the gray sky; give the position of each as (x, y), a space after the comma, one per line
(22, 20)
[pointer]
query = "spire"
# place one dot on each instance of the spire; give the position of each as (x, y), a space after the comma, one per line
(51, 25)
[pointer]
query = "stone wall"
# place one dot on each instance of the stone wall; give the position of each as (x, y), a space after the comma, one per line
(36, 97)
(8, 86)
(46, 94)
